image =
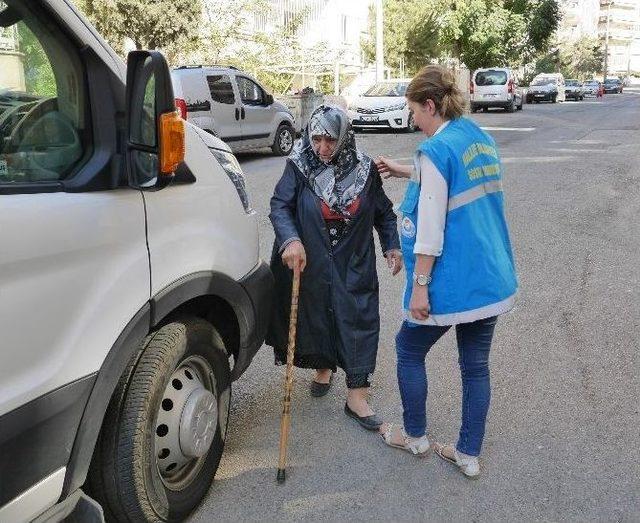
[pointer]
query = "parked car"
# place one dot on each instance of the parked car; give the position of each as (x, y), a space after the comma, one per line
(573, 89)
(495, 87)
(132, 289)
(591, 87)
(383, 105)
(549, 87)
(233, 106)
(612, 86)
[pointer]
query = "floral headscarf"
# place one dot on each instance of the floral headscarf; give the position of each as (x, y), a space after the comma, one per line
(340, 181)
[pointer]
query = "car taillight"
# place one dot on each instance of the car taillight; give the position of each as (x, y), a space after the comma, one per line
(471, 87)
(510, 87)
(181, 106)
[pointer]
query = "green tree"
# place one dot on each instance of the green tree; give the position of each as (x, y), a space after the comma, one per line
(411, 34)
(151, 24)
(482, 33)
(581, 58)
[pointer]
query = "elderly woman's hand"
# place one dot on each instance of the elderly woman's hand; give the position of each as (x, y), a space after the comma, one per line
(294, 254)
(390, 168)
(394, 261)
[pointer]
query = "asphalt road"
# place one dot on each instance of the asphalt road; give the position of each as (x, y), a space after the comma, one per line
(563, 434)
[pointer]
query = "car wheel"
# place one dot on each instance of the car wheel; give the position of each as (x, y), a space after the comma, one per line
(511, 107)
(164, 430)
(554, 99)
(283, 142)
(411, 124)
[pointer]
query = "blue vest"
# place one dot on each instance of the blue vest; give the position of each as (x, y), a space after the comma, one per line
(474, 277)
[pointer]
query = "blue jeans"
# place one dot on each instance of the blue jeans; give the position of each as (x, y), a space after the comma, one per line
(413, 342)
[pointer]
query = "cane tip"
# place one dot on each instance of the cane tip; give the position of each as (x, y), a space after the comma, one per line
(281, 476)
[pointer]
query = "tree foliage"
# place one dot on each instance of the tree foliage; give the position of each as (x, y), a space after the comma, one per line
(150, 24)
(581, 58)
(477, 32)
(410, 32)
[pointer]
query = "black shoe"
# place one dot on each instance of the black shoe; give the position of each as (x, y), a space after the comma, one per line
(320, 389)
(373, 422)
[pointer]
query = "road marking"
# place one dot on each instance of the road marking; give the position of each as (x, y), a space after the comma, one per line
(537, 159)
(517, 129)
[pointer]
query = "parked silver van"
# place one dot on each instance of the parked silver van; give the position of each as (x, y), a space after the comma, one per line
(233, 106)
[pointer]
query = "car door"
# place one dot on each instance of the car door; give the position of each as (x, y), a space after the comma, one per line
(74, 266)
(225, 107)
(256, 114)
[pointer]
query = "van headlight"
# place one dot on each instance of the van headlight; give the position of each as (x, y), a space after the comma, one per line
(397, 107)
(230, 165)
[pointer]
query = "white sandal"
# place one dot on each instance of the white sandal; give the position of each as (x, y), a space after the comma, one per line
(417, 446)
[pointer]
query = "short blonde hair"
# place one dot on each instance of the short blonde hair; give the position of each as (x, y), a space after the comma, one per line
(434, 82)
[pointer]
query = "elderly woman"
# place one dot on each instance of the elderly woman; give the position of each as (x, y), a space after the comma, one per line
(460, 267)
(323, 211)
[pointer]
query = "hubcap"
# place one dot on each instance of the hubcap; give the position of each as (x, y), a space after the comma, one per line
(286, 140)
(186, 423)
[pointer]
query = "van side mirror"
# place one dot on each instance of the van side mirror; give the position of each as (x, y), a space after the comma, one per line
(268, 99)
(155, 131)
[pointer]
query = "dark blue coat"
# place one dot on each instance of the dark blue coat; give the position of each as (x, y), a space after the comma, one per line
(338, 318)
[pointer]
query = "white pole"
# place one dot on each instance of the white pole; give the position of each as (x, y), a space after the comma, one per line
(379, 43)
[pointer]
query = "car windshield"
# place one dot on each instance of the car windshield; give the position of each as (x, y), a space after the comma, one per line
(572, 83)
(491, 77)
(591, 82)
(542, 81)
(612, 81)
(387, 89)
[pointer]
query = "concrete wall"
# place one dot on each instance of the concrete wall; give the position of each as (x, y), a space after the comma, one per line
(11, 71)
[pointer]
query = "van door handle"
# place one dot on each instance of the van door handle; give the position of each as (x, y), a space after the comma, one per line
(242, 112)
(237, 114)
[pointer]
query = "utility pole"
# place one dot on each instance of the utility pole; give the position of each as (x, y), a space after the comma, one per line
(379, 43)
(606, 42)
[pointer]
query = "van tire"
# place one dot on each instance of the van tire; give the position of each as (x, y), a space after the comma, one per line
(125, 471)
(283, 141)
(511, 107)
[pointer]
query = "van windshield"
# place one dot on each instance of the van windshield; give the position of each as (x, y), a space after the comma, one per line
(387, 89)
(491, 77)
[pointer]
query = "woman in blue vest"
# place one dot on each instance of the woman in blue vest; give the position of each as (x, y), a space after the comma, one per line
(459, 262)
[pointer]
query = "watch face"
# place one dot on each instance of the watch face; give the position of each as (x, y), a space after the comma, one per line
(422, 279)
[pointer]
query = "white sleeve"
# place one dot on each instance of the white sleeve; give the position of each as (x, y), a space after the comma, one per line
(432, 209)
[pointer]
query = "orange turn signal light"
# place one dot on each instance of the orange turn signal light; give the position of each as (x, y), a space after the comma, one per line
(172, 139)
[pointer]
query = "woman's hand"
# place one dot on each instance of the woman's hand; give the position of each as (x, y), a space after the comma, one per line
(419, 304)
(394, 261)
(390, 168)
(295, 255)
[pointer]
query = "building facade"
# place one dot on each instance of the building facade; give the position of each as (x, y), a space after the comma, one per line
(11, 60)
(579, 18)
(619, 28)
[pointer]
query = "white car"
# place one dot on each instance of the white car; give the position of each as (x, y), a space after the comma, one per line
(233, 106)
(132, 292)
(495, 87)
(384, 106)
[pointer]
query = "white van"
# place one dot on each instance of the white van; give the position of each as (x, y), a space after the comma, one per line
(232, 105)
(131, 289)
(495, 87)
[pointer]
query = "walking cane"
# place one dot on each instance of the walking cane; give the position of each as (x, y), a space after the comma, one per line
(288, 381)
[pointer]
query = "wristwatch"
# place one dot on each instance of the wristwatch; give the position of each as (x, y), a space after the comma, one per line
(422, 279)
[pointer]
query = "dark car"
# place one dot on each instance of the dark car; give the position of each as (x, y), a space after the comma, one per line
(573, 90)
(612, 86)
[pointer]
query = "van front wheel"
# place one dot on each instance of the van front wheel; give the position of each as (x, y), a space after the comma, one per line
(164, 430)
(283, 142)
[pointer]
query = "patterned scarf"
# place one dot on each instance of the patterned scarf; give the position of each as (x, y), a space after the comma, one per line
(340, 181)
